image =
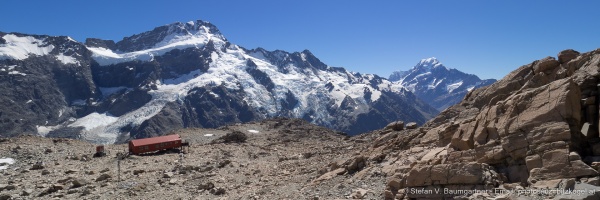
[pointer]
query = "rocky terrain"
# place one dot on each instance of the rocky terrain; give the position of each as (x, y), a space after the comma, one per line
(280, 159)
(535, 130)
(531, 135)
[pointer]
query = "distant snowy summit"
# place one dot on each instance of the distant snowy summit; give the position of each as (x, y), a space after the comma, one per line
(147, 45)
(181, 75)
(436, 84)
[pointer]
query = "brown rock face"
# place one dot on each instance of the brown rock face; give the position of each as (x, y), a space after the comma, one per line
(545, 64)
(457, 173)
(567, 55)
(537, 124)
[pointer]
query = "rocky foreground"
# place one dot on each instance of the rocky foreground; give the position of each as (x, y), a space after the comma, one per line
(280, 159)
(532, 135)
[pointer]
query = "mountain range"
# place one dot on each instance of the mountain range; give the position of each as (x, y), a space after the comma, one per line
(437, 85)
(181, 75)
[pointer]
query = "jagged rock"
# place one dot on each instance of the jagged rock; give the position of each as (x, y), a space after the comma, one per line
(545, 64)
(329, 175)
(358, 193)
(205, 169)
(78, 182)
(396, 182)
(383, 139)
(218, 191)
(53, 188)
(37, 166)
(233, 137)
(396, 126)
(206, 186)
(224, 163)
(434, 153)
(138, 171)
(86, 192)
(65, 180)
(574, 156)
(7, 187)
(441, 135)
(355, 164)
(463, 138)
(533, 161)
(103, 177)
(411, 125)
(168, 174)
(5, 197)
(26, 192)
(567, 184)
(388, 195)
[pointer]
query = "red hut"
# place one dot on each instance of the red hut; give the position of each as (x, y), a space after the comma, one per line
(146, 145)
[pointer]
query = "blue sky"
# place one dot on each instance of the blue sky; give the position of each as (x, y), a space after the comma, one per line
(488, 38)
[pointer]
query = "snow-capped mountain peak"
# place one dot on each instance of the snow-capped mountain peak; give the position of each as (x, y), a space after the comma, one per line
(429, 63)
(436, 84)
(182, 33)
(169, 35)
(145, 46)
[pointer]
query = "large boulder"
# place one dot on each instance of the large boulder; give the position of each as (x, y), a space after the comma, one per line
(546, 64)
(396, 126)
(567, 55)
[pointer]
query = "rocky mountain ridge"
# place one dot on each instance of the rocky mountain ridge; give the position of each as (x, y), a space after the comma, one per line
(181, 75)
(439, 86)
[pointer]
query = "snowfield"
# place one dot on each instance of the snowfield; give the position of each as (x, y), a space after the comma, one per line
(20, 48)
(66, 59)
(4, 162)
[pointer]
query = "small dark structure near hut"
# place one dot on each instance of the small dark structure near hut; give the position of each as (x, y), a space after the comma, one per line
(99, 151)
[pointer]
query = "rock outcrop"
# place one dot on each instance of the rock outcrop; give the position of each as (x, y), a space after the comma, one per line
(537, 124)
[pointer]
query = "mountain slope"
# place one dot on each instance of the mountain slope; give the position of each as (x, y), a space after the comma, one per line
(437, 85)
(186, 75)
